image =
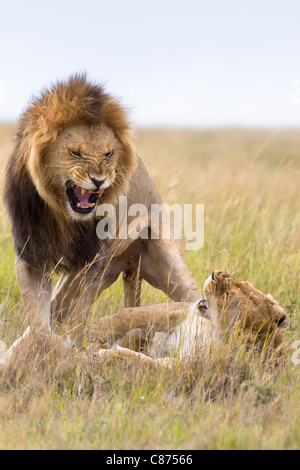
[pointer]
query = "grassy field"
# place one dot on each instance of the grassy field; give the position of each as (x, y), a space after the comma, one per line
(249, 183)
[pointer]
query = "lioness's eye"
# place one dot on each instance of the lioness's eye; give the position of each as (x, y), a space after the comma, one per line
(75, 154)
(109, 154)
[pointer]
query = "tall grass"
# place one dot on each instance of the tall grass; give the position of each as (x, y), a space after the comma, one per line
(248, 182)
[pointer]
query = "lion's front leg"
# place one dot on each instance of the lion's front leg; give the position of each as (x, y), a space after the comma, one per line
(132, 284)
(73, 296)
(70, 303)
(35, 290)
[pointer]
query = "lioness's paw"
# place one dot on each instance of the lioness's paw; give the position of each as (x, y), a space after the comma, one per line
(3, 354)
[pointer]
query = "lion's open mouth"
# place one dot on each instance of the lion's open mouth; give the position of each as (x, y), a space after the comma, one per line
(82, 200)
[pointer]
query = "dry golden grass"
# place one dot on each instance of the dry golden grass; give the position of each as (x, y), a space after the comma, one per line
(249, 183)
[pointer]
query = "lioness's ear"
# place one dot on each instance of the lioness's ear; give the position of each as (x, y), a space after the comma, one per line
(283, 322)
(227, 285)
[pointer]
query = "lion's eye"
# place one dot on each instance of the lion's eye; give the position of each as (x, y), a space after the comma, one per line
(75, 154)
(109, 154)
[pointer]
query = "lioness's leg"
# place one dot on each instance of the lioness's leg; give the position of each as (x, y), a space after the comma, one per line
(163, 266)
(160, 317)
(131, 356)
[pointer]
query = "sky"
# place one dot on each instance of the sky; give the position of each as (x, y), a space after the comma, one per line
(187, 63)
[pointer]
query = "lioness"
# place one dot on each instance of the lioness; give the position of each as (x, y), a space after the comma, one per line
(73, 154)
(230, 306)
(183, 328)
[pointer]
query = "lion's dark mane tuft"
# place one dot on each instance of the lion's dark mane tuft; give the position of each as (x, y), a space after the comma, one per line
(37, 235)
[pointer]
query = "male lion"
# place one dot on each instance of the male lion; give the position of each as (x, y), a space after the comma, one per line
(231, 308)
(73, 153)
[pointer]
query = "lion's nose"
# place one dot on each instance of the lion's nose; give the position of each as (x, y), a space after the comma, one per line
(98, 182)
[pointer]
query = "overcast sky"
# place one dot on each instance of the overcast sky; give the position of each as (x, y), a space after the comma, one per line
(200, 63)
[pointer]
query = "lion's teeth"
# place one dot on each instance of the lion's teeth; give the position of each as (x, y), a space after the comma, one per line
(78, 204)
(90, 191)
(91, 204)
(83, 190)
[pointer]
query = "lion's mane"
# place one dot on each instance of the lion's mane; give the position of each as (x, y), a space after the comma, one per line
(42, 231)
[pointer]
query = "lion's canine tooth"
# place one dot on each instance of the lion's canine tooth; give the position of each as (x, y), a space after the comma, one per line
(83, 190)
(91, 204)
(78, 204)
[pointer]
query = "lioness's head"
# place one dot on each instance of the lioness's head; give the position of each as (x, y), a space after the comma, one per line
(79, 146)
(236, 306)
